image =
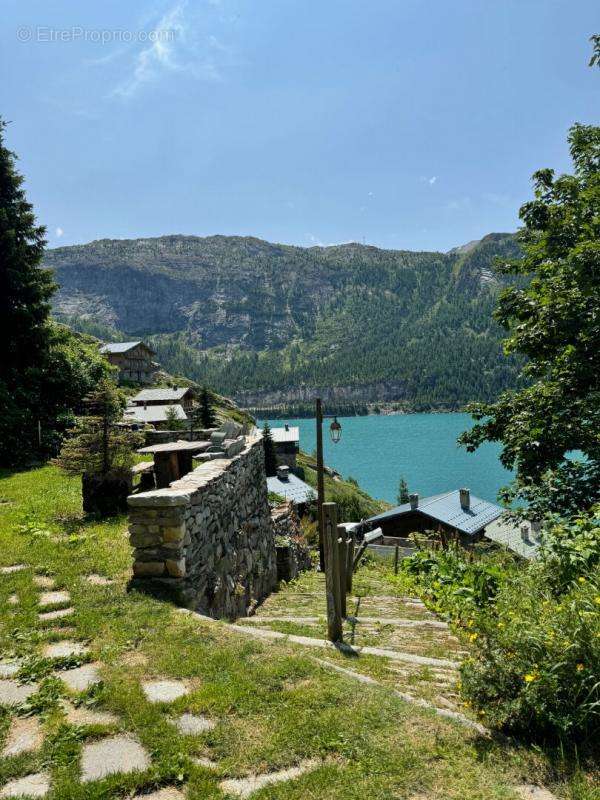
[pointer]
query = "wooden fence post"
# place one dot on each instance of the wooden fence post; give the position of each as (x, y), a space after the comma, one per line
(350, 562)
(332, 572)
(396, 561)
(342, 548)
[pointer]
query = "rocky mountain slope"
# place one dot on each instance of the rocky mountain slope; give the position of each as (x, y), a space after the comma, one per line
(271, 323)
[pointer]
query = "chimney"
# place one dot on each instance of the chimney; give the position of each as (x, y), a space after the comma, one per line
(525, 532)
(287, 427)
(145, 405)
(414, 501)
(283, 473)
(465, 499)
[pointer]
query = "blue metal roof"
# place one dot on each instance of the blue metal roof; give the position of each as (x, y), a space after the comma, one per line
(446, 508)
(118, 347)
(292, 489)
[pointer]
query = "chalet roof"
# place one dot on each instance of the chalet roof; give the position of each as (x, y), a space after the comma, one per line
(121, 347)
(292, 489)
(152, 414)
(286, 434)
(168, 394)
(507, 533)
(446, 508)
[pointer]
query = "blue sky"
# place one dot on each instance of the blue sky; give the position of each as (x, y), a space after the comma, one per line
(409, 124)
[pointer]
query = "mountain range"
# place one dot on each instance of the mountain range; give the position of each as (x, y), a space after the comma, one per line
(270, 323)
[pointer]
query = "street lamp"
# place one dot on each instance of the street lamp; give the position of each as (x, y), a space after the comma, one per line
(335, 431)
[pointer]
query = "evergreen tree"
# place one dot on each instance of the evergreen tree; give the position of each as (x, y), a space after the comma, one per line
(96, 446)
(403, 494)
(44, 369)
(173, 420)
(270, 455)
(207, 415)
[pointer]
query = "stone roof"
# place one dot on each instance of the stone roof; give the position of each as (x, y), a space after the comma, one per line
(122, 347)
(292, 489)
(168, 394)
(151, 414)
(286, 434)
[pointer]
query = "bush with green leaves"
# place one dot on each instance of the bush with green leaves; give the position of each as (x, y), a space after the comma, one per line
(535, 670)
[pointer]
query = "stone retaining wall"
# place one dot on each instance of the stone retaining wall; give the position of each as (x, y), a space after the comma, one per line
(293, 555)
(207, 540)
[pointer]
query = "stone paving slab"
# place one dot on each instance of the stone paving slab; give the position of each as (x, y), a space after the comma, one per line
(13, 600)
(13, 693)
(64, 649)
(168, 793)
(244, 787)
(203, 761)
(34, 785)
(43, 581)
(80, 715)
(164, 690)
(98, 580)
(192, 724)
(12, 568)
(9, 668)
(54, 598)
(111, 755)
(48, 616)
(80, 678)
(24, 736)
(529, 791)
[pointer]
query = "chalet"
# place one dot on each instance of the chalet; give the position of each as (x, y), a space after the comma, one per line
(286, 484)
(156, 415)
(287, 444)
(458, 514)
(182, 396)
(133, 360)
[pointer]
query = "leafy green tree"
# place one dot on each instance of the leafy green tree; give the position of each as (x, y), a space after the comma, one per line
(173, 421)
(270, 454)
(403, 494)
(553, 320)
(44, 370)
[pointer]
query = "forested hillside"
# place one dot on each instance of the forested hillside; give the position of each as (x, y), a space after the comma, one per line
(272, 323)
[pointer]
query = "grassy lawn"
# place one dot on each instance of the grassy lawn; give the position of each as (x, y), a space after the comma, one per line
(273, 706)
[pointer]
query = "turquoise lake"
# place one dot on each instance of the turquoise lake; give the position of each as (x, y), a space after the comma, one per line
(378, 450)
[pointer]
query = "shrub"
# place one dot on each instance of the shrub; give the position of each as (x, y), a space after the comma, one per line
(536, 667)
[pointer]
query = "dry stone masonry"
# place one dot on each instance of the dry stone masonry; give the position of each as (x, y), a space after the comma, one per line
(207, 540)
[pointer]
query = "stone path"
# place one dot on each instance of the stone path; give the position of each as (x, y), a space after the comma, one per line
(98, 580)
(164, 690)
(12, 568)
(192, 724)
(81, 678)
(59, 613)
(244, 787)
(14, 694)
(43, 581)
(399, 622)
(34, 785)
(64, 649)
(54, 598)
(24, 736)
(80, 715)
(111, 755)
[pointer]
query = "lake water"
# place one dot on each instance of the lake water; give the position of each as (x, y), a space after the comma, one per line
(378, 450)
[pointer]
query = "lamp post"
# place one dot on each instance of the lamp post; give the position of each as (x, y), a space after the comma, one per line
(335, 431)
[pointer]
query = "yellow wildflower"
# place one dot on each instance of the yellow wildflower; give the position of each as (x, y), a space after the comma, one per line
(579, 667)
(581, 579)
(529, 677)
(597, 600)
(472, 637)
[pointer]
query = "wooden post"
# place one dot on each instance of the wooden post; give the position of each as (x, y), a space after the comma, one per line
(396, 560)
(320, 481)
(342, 550)
(332, 573)
(350, 562)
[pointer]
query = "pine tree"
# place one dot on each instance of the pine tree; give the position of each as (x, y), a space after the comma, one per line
(270, 455)
(173, 421)
(403, 494)
(207, 415)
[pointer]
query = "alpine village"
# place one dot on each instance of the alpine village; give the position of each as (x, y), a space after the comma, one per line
(197, 598)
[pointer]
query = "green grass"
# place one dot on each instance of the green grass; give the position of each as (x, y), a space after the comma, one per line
(273, 705)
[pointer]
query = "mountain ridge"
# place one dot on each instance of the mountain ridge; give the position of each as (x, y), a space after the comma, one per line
(251, 316)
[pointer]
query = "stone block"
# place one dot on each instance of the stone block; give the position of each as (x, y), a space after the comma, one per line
(173, 533)
(148, 569)
(144, 539)
(176, 568)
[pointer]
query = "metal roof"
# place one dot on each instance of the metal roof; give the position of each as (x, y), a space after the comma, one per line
(119, 347)
(292, 489)
(507, 533)
(167, 394)
(289, 434)
(151, 413)
(446, 508)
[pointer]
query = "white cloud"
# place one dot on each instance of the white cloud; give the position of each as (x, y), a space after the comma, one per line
(432, 180)
(58, 233)
(170, 51)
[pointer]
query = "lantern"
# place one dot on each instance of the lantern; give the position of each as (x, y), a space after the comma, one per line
(335, 431)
